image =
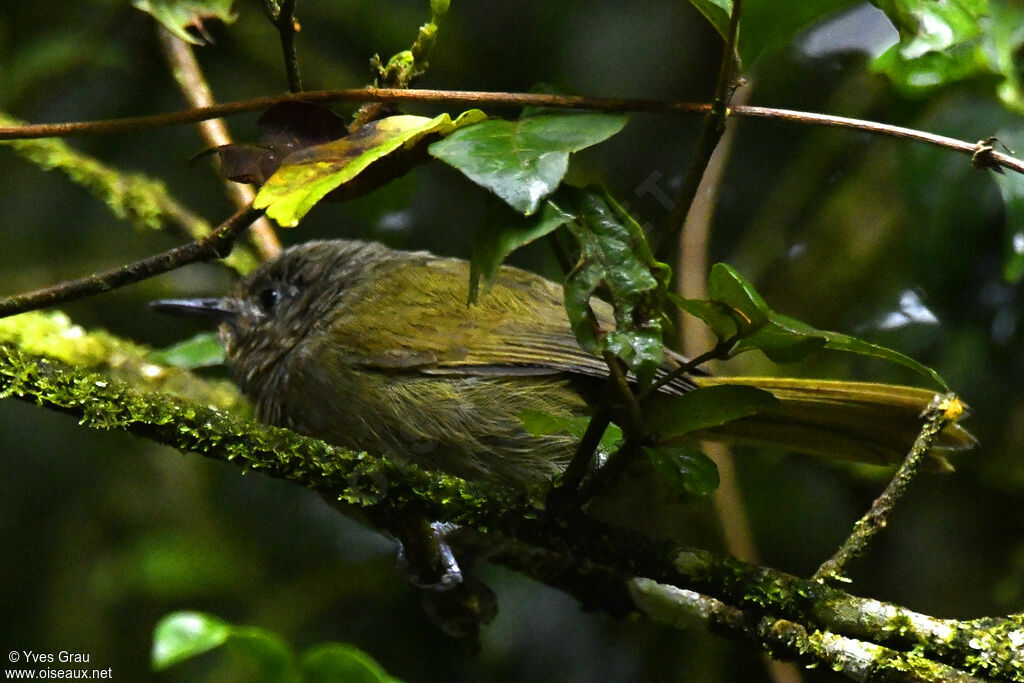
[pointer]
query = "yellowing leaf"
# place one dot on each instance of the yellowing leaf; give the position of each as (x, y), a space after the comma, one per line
(306, 176)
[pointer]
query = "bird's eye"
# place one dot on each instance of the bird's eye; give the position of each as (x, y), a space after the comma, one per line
(268, 299)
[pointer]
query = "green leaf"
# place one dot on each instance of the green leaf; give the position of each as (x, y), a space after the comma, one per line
(180, 15)
(717, 12)
(727, 286)
(703, 408)
(330, 662)
(306, 176)
(616, 259)
(781, 338)
(493, 243)
(684, 470)
(201, 351)
(183, 635)
(524, 161)
(940, 42)
(767, 24)
(716, 315)
(540, 423)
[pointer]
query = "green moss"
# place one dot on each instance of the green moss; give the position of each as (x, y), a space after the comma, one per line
(53, 335)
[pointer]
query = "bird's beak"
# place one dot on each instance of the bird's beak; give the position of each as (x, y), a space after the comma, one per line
(221, 310)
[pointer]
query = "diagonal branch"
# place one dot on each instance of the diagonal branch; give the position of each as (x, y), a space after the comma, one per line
(384, 489)
(215, 245)
(943, 411)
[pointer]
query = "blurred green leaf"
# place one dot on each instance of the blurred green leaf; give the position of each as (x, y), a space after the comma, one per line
(184, 635)
(703, 408)
(180, 15)
(1004, 28)
(683, 470)
(306, 176)
(331, 662)
(779, 337)
(540, 423)
(1011, 189)
(492, 243)
(940, 43)
(524, 161)
(201, 351)
(615, 259)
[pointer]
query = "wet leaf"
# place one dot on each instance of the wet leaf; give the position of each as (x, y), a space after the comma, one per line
(615, 260)
(178, 16)
(782, 338)
(308, 175)
(494, 242)
(675, 416)
(683, 470)
(524, 161)
(201, 351)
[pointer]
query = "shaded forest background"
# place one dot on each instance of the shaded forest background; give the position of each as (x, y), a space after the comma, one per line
(102, 534)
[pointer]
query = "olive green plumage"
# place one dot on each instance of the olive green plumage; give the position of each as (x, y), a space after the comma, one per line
(376, 349)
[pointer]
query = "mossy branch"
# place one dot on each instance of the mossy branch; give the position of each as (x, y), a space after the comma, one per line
(801, 612)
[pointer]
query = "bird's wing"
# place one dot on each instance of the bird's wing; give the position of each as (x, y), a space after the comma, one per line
(414, 317)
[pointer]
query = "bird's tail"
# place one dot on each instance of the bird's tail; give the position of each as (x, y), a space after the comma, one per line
(861, 421)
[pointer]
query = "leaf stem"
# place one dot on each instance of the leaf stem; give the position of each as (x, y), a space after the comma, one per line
(719, 352)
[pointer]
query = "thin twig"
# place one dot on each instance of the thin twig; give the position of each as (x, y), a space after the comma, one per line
(719, 352)
(282, 16)
(710, 134)
(572, 476)
(943, 411)
(215, 245)
(500, 99)
(214, 132)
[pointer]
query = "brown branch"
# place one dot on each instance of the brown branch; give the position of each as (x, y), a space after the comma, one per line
(503, 99)
(194, 87)
(215, 245)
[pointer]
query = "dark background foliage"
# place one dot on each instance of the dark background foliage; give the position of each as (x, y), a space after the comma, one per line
(102, 534)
